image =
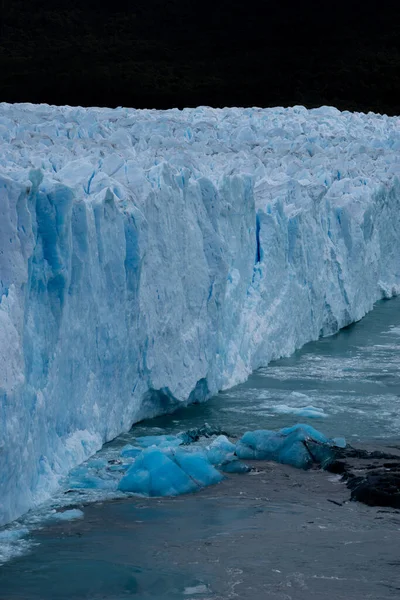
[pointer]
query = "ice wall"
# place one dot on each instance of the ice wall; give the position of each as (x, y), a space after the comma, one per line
(150, 258)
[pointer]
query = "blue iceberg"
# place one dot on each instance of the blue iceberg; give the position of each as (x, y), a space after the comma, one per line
(301, 446)
(221, 453)
(153, 473)
(197, 466)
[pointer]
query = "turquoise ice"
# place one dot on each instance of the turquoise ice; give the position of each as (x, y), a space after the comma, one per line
(301, 446)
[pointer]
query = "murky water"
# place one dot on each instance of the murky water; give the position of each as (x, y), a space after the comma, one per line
(276, 534)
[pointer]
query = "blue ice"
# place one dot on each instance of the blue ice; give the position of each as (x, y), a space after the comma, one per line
(154, 474)
(168, 473)
(198, 467)
(67, 515)
(300, 446)
(221, 453)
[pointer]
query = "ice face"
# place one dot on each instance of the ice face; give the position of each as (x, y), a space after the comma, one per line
(152, 258)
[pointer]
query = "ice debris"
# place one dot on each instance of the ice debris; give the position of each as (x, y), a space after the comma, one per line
(158, 473)
(301, 446)
(221, 453)
(162, 470)
(66, 515)
(311, 412)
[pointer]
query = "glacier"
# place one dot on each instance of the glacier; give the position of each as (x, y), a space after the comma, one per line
(151, 258)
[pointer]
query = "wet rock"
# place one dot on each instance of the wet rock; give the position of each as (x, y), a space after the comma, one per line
(377, 488)
(372, 476)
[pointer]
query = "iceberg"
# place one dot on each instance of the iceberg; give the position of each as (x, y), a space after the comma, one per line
(153, 473)
(312, 412)
(198, 467)
(222, 453)
(300, 446)
(150, 258)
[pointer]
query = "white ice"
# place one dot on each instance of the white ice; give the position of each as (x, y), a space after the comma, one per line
(152, 258)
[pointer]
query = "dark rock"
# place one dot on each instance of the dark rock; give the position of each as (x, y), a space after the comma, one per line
(377, 488)
(338, 467)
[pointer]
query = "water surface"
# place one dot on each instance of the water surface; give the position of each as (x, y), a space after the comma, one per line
(273, 534)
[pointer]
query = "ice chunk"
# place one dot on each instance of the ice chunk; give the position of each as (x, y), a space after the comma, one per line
(221, 451)
(196, 590)
(300, 446)
(67, 515)
(198, 467)
(303, 432)
(153, 473)
(339, 442)
(311, 412)
(169, 472)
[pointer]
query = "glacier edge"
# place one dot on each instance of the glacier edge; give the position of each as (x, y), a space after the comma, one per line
(153, 258)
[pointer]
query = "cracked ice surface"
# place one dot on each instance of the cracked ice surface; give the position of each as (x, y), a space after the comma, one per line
(149, 258)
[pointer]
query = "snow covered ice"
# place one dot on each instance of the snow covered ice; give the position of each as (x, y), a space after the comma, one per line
(152, 258)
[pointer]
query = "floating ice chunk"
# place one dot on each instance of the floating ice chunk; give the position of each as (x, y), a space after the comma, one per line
(221, 453)
(300, 446)
(198, 467)
(303, 431)
(169, 472)
(258, 445)
(195, 590)
(154, 474)
(312, 412)
(67, 515)
(221, 450)
(299, 395)
(339, 442)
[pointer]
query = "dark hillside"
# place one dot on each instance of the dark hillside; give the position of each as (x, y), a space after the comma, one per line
(164, 53)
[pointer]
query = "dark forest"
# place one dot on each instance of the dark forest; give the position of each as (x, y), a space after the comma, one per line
(176, 53)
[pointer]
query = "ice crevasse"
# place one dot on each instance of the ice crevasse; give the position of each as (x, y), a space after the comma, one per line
(150, 258)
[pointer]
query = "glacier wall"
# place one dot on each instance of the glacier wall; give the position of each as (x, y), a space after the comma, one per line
(152, 258)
